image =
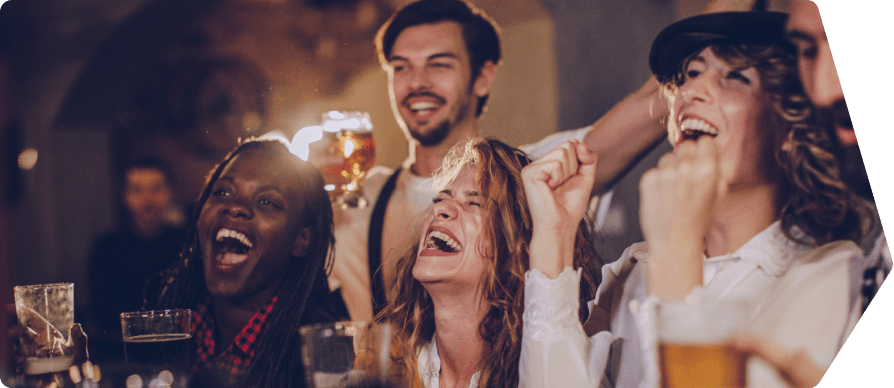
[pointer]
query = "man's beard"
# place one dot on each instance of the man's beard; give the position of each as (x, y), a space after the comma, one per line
(434, 137)
(440, 132)
(839, 115)
(853, 172)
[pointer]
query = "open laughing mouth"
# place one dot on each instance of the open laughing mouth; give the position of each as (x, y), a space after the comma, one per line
(423, 107)
(442, 242)
(424, 103)
(231, 248)
(692, 129)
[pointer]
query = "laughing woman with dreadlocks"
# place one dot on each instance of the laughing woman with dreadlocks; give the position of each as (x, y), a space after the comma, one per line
(254, 268)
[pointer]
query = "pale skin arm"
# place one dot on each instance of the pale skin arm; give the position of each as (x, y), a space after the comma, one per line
(635, 123)
(558, 189)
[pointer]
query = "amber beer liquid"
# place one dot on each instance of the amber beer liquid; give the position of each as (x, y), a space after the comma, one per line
(701, 365)
(332, 173)
(359, 153)
(157, 349)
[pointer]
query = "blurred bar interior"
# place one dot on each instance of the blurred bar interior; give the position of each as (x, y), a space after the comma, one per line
(95, 83)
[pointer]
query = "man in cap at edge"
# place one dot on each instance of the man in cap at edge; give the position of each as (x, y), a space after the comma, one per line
(820, 78)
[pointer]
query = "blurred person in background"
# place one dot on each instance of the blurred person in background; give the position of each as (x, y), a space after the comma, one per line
(121, 261)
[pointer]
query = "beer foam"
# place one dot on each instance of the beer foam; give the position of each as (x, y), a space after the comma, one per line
(701, 324)
(39, 366)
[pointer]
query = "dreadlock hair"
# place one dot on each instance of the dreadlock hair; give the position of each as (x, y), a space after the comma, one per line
(276, 363)
(505, 237)
(814, 195)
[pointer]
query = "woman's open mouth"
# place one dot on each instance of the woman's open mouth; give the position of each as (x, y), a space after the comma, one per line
(231, 248)
(440, 242)
(692, 129)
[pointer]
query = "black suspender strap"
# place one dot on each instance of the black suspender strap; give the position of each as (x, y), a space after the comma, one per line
(374, 247)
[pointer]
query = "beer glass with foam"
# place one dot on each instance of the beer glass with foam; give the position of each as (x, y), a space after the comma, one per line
(350, 138)
(692, 345)
(46, 311)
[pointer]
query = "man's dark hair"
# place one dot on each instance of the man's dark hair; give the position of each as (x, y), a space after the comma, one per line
(149, 163)
(480, 33)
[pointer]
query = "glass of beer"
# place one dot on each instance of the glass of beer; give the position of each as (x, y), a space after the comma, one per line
(46, 311)
(350, 139)
(156, 343)
(347, 354)
(692, 345)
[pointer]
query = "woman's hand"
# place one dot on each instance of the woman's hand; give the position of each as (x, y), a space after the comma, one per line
(558, 187)
(796, 368)
(677, 203)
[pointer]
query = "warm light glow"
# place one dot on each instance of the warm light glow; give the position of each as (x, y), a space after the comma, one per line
(166, 377)
(300, 145)
(276, 135)
(349, 147)
(28, 158)
(336, 121)
(334, 114)
(134, 381)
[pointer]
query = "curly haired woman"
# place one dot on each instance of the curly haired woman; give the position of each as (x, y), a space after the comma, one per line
(749, 208)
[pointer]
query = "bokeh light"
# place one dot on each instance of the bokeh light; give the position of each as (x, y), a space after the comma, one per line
(28, 159)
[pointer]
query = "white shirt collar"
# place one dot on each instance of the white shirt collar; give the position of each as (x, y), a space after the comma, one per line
(770, 250)
(429, 364)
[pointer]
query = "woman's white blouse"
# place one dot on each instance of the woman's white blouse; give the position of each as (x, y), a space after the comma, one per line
(429, 364)
(799, 297)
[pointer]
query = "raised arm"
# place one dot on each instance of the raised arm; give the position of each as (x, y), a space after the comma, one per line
(557, 187)
(555, 350)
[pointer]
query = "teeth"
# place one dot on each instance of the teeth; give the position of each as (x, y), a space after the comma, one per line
(430, 242)
(698, 125)
(228, 233)
(423, 105)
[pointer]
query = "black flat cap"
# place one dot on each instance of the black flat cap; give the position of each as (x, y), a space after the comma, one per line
(688, 36)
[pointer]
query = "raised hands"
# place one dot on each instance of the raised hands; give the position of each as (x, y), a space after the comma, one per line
(678, 199)
(558, 187)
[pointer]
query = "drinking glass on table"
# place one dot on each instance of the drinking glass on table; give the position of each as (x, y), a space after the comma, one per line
(350, 137)
(693, 346)
(46, 312)
(155, 346)
(347, 354)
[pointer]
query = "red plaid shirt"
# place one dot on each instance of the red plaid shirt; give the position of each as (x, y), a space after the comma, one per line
(235, 359)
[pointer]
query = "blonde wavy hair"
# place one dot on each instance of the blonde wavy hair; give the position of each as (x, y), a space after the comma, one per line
(813, 194)
(504, 239)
